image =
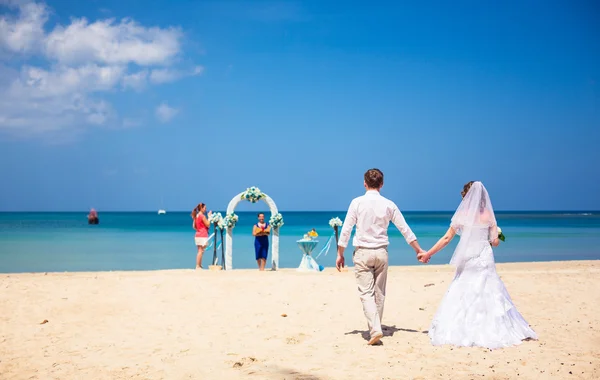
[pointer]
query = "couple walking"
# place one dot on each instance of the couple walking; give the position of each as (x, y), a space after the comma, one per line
(477, 309)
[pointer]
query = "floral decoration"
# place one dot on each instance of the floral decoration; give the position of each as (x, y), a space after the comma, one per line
(335, 222)
(276, 220)
(230, 220)
(253, 194)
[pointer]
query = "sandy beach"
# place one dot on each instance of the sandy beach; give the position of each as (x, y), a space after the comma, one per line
(183, 324)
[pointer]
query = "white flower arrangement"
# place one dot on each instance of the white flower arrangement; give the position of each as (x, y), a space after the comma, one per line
(253, 194)
(335, 222)
(215, 218)
(218, 220)
(230, 220)
(276, 220)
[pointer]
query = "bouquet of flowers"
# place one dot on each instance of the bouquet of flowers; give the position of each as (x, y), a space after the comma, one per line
(335, 222)
(276, 220)
(500, 234)
(253, 194)
(215, 218)
(230, 220)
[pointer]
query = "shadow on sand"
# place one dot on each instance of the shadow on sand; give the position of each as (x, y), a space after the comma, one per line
(387, 331)
(275, 372)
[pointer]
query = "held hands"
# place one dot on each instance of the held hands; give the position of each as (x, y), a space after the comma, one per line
(423, 257)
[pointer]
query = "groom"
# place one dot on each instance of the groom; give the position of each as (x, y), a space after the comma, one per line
(371, 214)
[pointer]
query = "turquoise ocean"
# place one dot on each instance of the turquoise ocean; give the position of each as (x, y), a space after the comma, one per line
(56, 242)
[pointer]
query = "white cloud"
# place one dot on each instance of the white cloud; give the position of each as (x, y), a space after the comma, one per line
(139, 80)
(63, 80)
(40, 100)
(159, 76)
(164, 76)
(113, 43)
(22, 33)
(165, 113)
(136, 81)
(100, 114)
(64, 74)
(28, 115)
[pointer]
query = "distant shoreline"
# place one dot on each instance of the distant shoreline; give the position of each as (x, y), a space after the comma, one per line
(500, 212)
(434, 267)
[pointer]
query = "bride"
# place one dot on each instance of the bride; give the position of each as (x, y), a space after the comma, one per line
(476, 310)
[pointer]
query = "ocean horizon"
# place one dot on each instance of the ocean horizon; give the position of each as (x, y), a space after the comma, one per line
(143, 240)
(86, 211)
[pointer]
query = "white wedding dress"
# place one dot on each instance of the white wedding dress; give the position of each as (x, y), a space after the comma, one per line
(477, 309)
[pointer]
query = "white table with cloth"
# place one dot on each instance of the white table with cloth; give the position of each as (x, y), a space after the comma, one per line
(308, 263)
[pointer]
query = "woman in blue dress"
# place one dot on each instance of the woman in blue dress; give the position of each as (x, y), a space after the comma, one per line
(261, 232)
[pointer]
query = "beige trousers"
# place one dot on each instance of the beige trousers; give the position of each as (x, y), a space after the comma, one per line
(370, 269)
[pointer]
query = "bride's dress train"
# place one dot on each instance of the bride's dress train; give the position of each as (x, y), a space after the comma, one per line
(477, 309)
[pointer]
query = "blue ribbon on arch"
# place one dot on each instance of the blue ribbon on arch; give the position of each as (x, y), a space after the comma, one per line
(217, 258)
(212, 240)
(326, 247)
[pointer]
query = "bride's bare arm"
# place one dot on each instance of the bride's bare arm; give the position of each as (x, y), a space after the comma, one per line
(441, 244)
(494, 242)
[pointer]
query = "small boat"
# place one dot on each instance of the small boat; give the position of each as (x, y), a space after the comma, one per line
(161, 211)
(93, 217)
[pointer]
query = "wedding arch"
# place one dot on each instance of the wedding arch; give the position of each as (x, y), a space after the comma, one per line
(253, 195)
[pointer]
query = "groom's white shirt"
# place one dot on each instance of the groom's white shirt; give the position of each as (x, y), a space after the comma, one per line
(371, 214)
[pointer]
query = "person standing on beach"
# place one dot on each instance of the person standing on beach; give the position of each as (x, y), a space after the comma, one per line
(261, 232)
(201, 225)
(372, 213)
(477, 309)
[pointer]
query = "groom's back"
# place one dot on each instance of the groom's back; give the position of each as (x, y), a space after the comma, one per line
(373, 215)
(374, 208)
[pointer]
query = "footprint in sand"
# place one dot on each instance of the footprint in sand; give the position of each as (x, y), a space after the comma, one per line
(244, 362)
(295, 339)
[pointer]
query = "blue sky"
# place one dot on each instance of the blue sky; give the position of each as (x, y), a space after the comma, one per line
(137, 105)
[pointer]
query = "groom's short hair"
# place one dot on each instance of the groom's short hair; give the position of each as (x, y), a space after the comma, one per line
(374, 178)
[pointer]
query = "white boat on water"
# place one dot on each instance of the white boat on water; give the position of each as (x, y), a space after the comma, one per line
(160, 212)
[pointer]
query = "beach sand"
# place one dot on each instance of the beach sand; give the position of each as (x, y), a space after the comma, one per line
(183, 324)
